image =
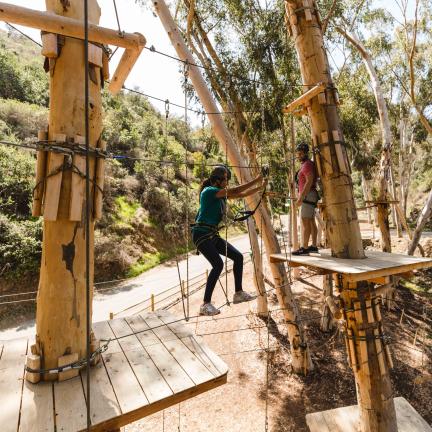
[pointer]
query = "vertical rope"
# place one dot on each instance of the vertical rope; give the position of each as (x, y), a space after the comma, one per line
(266, 424)
(87, 207)
(186, 75)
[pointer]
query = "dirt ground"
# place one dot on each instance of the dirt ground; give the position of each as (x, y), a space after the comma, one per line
(241, 341)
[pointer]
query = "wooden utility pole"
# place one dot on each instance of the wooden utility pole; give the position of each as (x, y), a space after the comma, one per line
(359, 307)
(342, 225)
(301, 361)
(61, 307)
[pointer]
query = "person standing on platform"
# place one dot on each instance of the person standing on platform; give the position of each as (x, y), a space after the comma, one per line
(307, 200)
(205, 232)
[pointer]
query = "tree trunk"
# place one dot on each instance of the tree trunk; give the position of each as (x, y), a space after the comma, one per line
(61, 305)
(326, 315)
(423, 218)
(366, 198)
(262, 305)
(376, 406)
(243, 143)
(301, 360)
(385, 163)
(340, 214)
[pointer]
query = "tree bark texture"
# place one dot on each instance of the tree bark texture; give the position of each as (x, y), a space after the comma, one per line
(423, 218)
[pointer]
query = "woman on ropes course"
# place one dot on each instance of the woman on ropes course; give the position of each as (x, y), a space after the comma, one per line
(205, 232)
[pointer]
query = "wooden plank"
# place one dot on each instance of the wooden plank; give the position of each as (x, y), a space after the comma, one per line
(408, 419)
(99, 182)
(127, 62)
(145, 335)
(173, 374)
(316, 422)
(126, 387)
(11, 382)
(78, 182)
(376, 264)
(342, 419)
(152, 382)
(103, 332)
(314, 91)
(49, 45)
(195, 344)
(70, 405)
(345, 419)
(53, 23)
(191, 364)
(53, 182)
(159, 405)
(103, 402)
(37, 411)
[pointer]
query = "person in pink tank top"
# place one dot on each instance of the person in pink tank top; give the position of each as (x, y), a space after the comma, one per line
(307, 200)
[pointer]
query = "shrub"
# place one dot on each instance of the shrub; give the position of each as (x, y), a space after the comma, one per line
(16, 182)
(20, 246)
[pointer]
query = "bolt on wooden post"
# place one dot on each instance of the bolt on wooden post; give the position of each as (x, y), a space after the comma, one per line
(61, 308)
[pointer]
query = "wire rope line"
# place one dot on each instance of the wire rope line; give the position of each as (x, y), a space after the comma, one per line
(186, 207)
(87, 205)
(24, 34)
(117, 18)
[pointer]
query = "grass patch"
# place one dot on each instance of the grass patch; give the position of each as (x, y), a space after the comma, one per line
(125, 211)
(416, 284)
(147, 261)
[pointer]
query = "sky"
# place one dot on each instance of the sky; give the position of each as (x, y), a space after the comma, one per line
(154, 74)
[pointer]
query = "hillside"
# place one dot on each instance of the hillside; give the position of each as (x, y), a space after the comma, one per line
(144, 200)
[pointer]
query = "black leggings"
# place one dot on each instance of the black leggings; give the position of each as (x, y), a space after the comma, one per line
(212, 249)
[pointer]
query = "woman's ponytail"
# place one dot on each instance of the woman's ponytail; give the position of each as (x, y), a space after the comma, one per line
(204, 184)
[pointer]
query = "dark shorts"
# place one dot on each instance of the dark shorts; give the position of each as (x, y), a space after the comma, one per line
(307, 210)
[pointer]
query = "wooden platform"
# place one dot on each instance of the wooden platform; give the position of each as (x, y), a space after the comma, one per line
(375, 265)
(346, 419)
(139, 375)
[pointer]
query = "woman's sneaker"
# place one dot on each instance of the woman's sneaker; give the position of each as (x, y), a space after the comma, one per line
(312, 249)
(208, 309)
(243, 296)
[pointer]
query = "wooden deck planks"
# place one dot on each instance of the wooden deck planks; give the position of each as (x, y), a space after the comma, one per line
(345, 419)
(11, 382)
(145, 335)
(153, 384)
(376, 264)
(173, 374)
(139, 375)
(37, 410)
(103, 402)
(127, 389)
(196, 370)
(70, 405)
(195, 344)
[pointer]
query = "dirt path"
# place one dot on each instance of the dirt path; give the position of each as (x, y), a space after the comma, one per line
(119, 296)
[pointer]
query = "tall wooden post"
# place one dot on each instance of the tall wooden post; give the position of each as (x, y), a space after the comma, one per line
(343, 229)
(301, 360)
(61, 305)
(361, 311)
